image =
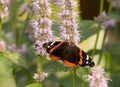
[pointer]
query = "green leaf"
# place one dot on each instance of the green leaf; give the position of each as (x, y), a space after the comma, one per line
(7, 82)
(115, 15)
(35, 85)
(83, 73)
(115, 49)
(54, 66)
(5, 66)
(97, 51)
(115, 52)
(87, 28)
(6, 76)
(16, 58)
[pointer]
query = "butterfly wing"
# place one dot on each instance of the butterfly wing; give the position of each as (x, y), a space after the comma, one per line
(64, 52)
(71, 55)
(85, 59)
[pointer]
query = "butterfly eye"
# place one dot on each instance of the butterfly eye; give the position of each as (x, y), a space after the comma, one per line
(45, 45)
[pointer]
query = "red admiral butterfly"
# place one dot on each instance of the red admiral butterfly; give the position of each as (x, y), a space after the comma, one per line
(71, 55)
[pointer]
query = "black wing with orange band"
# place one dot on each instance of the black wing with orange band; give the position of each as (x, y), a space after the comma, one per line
(72, 56)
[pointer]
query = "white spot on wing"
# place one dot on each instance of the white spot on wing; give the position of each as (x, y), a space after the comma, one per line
(52, 43)
(48, 47)
(87, 62)
(87, 58)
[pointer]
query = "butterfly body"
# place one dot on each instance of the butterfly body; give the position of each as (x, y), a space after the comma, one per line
(71, 55)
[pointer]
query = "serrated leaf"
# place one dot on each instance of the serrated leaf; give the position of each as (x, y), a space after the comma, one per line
(6, 76)
(16, 58)
(87, 28)
(54, 66)
(35, 85)
(82, 73)
(5, 67)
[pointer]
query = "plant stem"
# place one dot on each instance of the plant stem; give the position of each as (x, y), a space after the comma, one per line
(110, 6)
(99, 27)
(105, 34)
(40, 66)
(13, 14)
(17, 37)
(74, 77)
(40, 63)
(101, 7)
(0, 27)
(24, 28)
(93, 52)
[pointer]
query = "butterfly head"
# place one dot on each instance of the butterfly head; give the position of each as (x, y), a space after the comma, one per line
(48, 45)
